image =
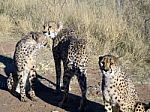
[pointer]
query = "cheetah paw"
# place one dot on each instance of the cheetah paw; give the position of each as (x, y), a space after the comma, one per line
(34, 98)
(23, 99)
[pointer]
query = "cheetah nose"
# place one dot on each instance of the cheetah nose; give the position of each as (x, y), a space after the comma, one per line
(106, 69)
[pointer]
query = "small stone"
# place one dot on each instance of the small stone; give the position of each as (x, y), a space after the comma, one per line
(4, 104)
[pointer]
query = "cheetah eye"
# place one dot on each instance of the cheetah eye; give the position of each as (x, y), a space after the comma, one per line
(44, 26)
(50, 27)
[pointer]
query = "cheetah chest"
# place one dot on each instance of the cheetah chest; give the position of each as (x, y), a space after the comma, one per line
(31, 62)
(113, 87)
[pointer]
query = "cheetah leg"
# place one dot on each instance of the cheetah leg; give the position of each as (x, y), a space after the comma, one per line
(66, 81)
(10, 82)
(22, 76)
(32, 76)
(58, 74)
(108, 107)
(83, 86)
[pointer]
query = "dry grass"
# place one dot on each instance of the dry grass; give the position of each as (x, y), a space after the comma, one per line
(107, 29)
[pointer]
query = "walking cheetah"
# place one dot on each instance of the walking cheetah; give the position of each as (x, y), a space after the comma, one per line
(24, 60)
(117, 87)
(71, 50)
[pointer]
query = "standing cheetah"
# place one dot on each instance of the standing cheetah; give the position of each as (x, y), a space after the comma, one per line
(25, 63)
(117, 87)
(71, 50)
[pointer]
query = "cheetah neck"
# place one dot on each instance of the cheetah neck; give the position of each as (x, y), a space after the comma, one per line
(57, 40)
(62, 36)
(110, 76)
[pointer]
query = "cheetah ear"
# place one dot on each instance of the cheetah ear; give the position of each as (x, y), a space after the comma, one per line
(44, 22)
(59, 25)
(34, 36)
(100, 58)
(116, 57)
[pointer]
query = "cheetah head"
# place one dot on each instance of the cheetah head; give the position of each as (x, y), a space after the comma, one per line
(51, 28)
(40, 39)
(108, 64)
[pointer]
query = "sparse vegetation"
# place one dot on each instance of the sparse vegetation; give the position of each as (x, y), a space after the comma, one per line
(110, 26)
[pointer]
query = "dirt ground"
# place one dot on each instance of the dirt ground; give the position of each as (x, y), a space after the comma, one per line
(45, 90)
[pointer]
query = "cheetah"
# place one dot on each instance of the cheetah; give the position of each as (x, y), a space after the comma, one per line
(117, 87)
(25, 54)
(71, 50)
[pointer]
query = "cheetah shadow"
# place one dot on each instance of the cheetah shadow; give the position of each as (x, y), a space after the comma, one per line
(8, 63)
(45, 93)
(5, 72)
(49, 96)
(3, 80)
